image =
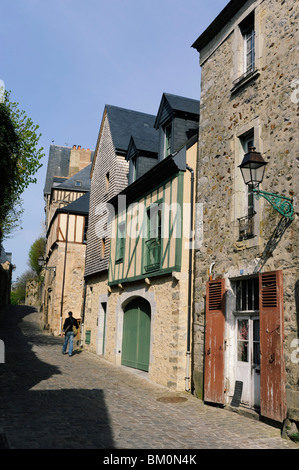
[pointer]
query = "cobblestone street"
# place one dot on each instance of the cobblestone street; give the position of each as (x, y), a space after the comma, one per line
(52, 401)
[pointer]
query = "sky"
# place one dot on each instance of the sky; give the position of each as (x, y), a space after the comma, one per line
(64, 60)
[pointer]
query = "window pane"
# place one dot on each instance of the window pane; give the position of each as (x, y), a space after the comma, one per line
(238, 295)
(243, 351)
(247, 295)
(243, 340)
(243, 330)
(256, 330)
(256, 293)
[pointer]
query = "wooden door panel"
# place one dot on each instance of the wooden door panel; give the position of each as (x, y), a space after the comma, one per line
(136, 335)
(214, 342)
(273, 394)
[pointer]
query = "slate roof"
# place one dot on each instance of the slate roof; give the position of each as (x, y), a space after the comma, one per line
(4, 256)
(58, 165)
(125, 123)
(179, 104)
(82, 175)
(215, 27)
(80, 206)
(155, 176)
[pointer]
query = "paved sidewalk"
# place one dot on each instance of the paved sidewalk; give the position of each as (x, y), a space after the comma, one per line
(52, 401)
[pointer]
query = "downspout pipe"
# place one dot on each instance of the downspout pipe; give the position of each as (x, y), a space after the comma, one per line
(188, 353)
(64, 269)
(83, 315)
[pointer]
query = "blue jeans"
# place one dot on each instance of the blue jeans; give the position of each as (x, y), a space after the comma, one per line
(68, 338)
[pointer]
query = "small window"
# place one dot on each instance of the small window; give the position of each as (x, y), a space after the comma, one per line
(247, 295)
(134, 168)
(248, 33)
(85, 230)
(87, 336)
(167, 141)
(107, 178)
(153, 242)
(78, 184)
(120, 242)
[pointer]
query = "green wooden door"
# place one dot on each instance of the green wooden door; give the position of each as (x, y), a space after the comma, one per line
(136, 334)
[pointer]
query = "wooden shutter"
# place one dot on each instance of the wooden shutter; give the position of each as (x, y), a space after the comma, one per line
(214, 342)
(273, 394)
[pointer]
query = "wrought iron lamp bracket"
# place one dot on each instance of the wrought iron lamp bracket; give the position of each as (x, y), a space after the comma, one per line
(283, 204)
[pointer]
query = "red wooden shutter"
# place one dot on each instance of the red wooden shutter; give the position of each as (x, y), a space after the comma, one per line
(273, 394)
(214, 342)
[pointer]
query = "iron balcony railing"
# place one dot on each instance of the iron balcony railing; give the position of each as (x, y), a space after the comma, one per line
(246, 227)
(153, 254)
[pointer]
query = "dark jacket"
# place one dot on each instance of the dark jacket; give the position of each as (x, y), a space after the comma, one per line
(69, 322)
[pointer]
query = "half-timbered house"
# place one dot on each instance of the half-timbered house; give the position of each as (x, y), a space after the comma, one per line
(109, 175)
(66, 195)
(150, 267)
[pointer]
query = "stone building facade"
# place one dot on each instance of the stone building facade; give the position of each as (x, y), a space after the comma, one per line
(248, 74)
(66, 195)
(65, 261)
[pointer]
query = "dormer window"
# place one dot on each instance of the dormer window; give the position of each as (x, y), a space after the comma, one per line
(167, 139)
(134, 161)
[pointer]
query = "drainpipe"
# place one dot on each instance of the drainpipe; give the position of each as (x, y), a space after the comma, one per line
(83, 316)
(210, 271)
(64, 268)
(188, 353)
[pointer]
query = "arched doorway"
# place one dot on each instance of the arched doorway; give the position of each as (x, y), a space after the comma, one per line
(136, 334)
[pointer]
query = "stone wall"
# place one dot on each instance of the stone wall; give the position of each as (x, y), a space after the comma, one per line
(34, 293)
(65, 285)
(96, 295)
(265, 105)
(168, 300)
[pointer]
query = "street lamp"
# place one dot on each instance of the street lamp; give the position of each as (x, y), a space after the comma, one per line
(41, 263)
(253, 169)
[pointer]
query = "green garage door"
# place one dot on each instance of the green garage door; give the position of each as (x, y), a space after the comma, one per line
(136, 334)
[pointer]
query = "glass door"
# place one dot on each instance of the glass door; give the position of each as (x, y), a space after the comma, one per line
(248, 359)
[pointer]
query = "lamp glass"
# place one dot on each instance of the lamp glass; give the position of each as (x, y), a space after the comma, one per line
(253, 168)
(40, 261)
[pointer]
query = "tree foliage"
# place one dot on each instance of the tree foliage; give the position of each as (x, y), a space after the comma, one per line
(37, 249)
(18, 294)
(20, 159)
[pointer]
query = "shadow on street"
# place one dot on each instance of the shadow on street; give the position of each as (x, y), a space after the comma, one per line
(62, 418)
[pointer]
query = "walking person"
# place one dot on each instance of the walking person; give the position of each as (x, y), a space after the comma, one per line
(69, 334)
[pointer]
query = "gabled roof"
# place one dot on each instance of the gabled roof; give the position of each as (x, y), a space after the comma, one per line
(83, 176)
(125, 123)
(58, 165)
(80, 206)
(155, 176)
(179, 104)
(148, 142)
(215, 27)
